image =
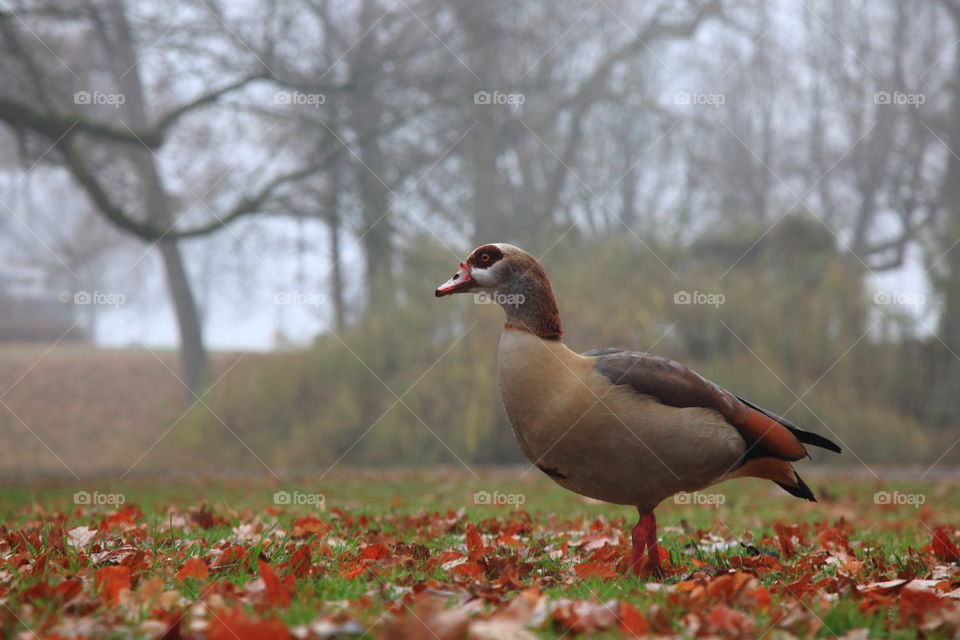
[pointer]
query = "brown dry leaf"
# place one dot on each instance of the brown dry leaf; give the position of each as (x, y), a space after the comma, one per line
(308, 526)
(632, 623)
(193, 568)
(80, 537)
(728, 622)
(595, 570)
(237, 625)
(112, 582)
(427, 618)
(583, 616)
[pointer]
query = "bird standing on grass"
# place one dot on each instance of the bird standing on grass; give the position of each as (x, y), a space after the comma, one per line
(620, 426)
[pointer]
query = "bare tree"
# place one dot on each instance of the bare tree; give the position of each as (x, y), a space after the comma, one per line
(92, 147)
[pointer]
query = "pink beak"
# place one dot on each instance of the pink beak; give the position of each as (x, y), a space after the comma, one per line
(460, 281)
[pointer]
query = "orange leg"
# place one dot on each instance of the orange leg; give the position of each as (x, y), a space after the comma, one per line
(644, 539)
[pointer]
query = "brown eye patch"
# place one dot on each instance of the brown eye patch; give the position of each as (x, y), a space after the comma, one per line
(485, 256)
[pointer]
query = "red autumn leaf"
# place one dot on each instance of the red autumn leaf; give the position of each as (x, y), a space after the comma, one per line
(136, 562)
(872, 601)
(68, 589)
(17, 560)
(760, 597)
(171, 620)
(725, 620)
(111, 581)
(632, 622)
(194, 568)
(595, 570)
(277, 592)
(943, 547)
(236, 625)
(447, 556)
(664, 555)
(915, 603)
(787, 548)
(606, 554)
(352, 571)
(309, 526)
(38, 591)
(728, 586)
(508, 540)
(582, 616)
(800, 588)
(474, 543)
(203, 517)
(376, 551)
(123, 518)
(509, 578)
(722, 587)
(232, 555)
(469, 569)
(299, 563)
(833, 539)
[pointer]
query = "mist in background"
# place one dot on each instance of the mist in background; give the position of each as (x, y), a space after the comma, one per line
(221, 223)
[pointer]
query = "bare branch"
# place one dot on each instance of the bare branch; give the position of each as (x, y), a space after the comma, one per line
(246, 206)
(57, 125)
(168, 120)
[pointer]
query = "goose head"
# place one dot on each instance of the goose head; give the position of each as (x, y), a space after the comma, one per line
(514, 279)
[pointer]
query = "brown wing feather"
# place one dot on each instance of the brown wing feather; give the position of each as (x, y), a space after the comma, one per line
(675, 385)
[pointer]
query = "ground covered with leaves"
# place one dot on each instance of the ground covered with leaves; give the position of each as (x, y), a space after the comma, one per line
(452, 555)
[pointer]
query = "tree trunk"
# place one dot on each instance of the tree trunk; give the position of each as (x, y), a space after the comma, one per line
(193, 353)
(336, 273)
(365, 117)
(488, 222)
(947, 379)
(333, 220)
(332, 215)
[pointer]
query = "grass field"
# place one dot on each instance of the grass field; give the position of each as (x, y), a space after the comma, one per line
(446, 554)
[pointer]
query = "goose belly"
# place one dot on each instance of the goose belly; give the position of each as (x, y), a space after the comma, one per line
(637, 454)
(608, 442)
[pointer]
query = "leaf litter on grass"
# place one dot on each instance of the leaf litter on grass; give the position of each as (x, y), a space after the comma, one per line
(202, 572)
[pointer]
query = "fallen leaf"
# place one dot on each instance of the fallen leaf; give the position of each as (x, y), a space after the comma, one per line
(277, 592)
(943, 547)
(80, 537)
(236, 625)
(632, 622)
(194, 568)
(112, 582)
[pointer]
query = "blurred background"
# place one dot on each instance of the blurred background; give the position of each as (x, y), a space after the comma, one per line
(222, 222)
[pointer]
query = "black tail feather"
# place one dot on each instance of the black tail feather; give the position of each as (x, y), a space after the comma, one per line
(817, 440)
(801, 490)
(804, 436)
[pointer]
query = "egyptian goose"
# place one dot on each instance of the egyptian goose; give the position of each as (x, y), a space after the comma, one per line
(620, 426)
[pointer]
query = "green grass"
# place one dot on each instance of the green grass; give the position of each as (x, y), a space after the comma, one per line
(404, 509)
